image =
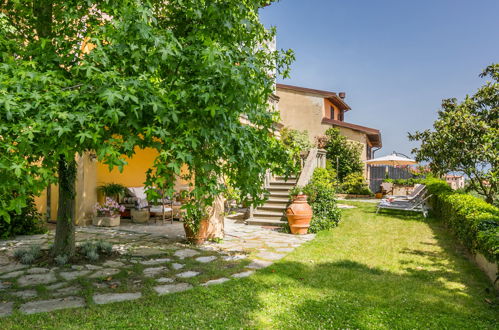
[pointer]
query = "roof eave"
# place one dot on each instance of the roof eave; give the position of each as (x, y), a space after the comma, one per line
(372, 134)
(331, 96)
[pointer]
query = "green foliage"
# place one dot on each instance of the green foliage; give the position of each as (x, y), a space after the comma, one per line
(93, 249)
(113, 190)
(165, 75)
(27, 222)
(321, 197)
(405, 182)
(296, 143)
(465, 138)
(61, 260)
(346, 152)
(28, 255)
(354, 183)
(474, 221)
(295, 140)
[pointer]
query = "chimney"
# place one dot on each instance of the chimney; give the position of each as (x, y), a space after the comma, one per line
(342, 95)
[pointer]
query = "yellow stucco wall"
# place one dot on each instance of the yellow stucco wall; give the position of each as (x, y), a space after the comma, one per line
(85, 192)
(91, 174)
(41, 202)
(133, 175)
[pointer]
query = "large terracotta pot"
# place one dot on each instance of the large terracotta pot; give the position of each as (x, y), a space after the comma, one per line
(299, 214)
(199, 237)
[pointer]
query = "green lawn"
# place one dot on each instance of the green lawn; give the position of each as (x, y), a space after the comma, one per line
(387, 271)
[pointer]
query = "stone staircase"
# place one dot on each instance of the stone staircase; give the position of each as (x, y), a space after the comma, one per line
(272, 213)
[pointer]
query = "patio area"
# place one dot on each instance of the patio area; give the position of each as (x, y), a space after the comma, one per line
(151, 259)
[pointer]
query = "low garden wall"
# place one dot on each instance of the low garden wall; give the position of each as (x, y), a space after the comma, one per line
(474, 222)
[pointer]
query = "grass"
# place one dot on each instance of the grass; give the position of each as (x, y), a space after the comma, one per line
(384, 271)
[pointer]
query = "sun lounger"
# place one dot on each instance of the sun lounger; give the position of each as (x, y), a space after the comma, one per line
(416, 204)
(418, 190)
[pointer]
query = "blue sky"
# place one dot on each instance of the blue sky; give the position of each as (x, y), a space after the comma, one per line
(395, 59)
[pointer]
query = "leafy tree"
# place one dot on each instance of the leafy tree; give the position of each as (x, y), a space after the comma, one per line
(296, 143)
(345, 152)
(109, 76)
(466, 138)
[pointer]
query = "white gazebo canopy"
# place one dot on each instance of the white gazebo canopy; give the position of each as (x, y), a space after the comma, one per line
(392, 160)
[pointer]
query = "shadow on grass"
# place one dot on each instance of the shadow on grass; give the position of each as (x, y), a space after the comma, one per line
(353, 295)
(436, 289)
(344, 294)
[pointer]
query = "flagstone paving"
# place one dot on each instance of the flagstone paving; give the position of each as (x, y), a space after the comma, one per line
(107, 298)
(143, 253)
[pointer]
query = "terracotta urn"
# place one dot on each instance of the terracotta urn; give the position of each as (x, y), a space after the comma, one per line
(299, 214)
(199, 237)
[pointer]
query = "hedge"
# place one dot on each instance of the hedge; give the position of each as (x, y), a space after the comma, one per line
(473, 221)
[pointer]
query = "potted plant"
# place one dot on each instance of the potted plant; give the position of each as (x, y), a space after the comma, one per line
(113, 190)
(196, 223)
(107, 214)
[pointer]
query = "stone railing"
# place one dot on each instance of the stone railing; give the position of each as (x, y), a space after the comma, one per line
(316, 158)
(268, 178)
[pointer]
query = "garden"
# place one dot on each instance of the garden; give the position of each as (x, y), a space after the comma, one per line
(354, 276)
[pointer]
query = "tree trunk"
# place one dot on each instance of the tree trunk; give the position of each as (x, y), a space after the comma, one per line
(42, 10)
(216, 219)
(64, 243)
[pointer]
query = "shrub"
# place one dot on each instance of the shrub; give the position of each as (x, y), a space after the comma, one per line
(92, 249)
(474, 221)
(405, 182)
(321, 197)
(61, 260)
(295, 140)
(28, 222)
(354, 183)
(113, 190)
(296, 143)
(343, 153)
(28, 255)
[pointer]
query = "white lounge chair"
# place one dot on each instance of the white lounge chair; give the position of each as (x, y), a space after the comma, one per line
(416, 204)
(417, 191)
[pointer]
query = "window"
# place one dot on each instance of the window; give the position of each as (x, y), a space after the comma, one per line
(340, 115)
(331, 112)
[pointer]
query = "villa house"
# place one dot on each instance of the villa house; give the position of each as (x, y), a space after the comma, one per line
(300, 108)
(316, 111)
(455, 181)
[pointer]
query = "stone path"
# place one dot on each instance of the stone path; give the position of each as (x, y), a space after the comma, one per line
(145, 253)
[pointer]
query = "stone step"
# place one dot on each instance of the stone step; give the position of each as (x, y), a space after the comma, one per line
(290, 181)
(279, 194)
(278, 199)
(275, 215)
(271, 208)
(257, 221)
(279, 189)
(290, 178)
(282, 184)
(275, 204)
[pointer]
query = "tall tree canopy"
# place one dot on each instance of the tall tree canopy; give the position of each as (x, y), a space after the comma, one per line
(344, 154)
(110, 76)
(466, 138)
